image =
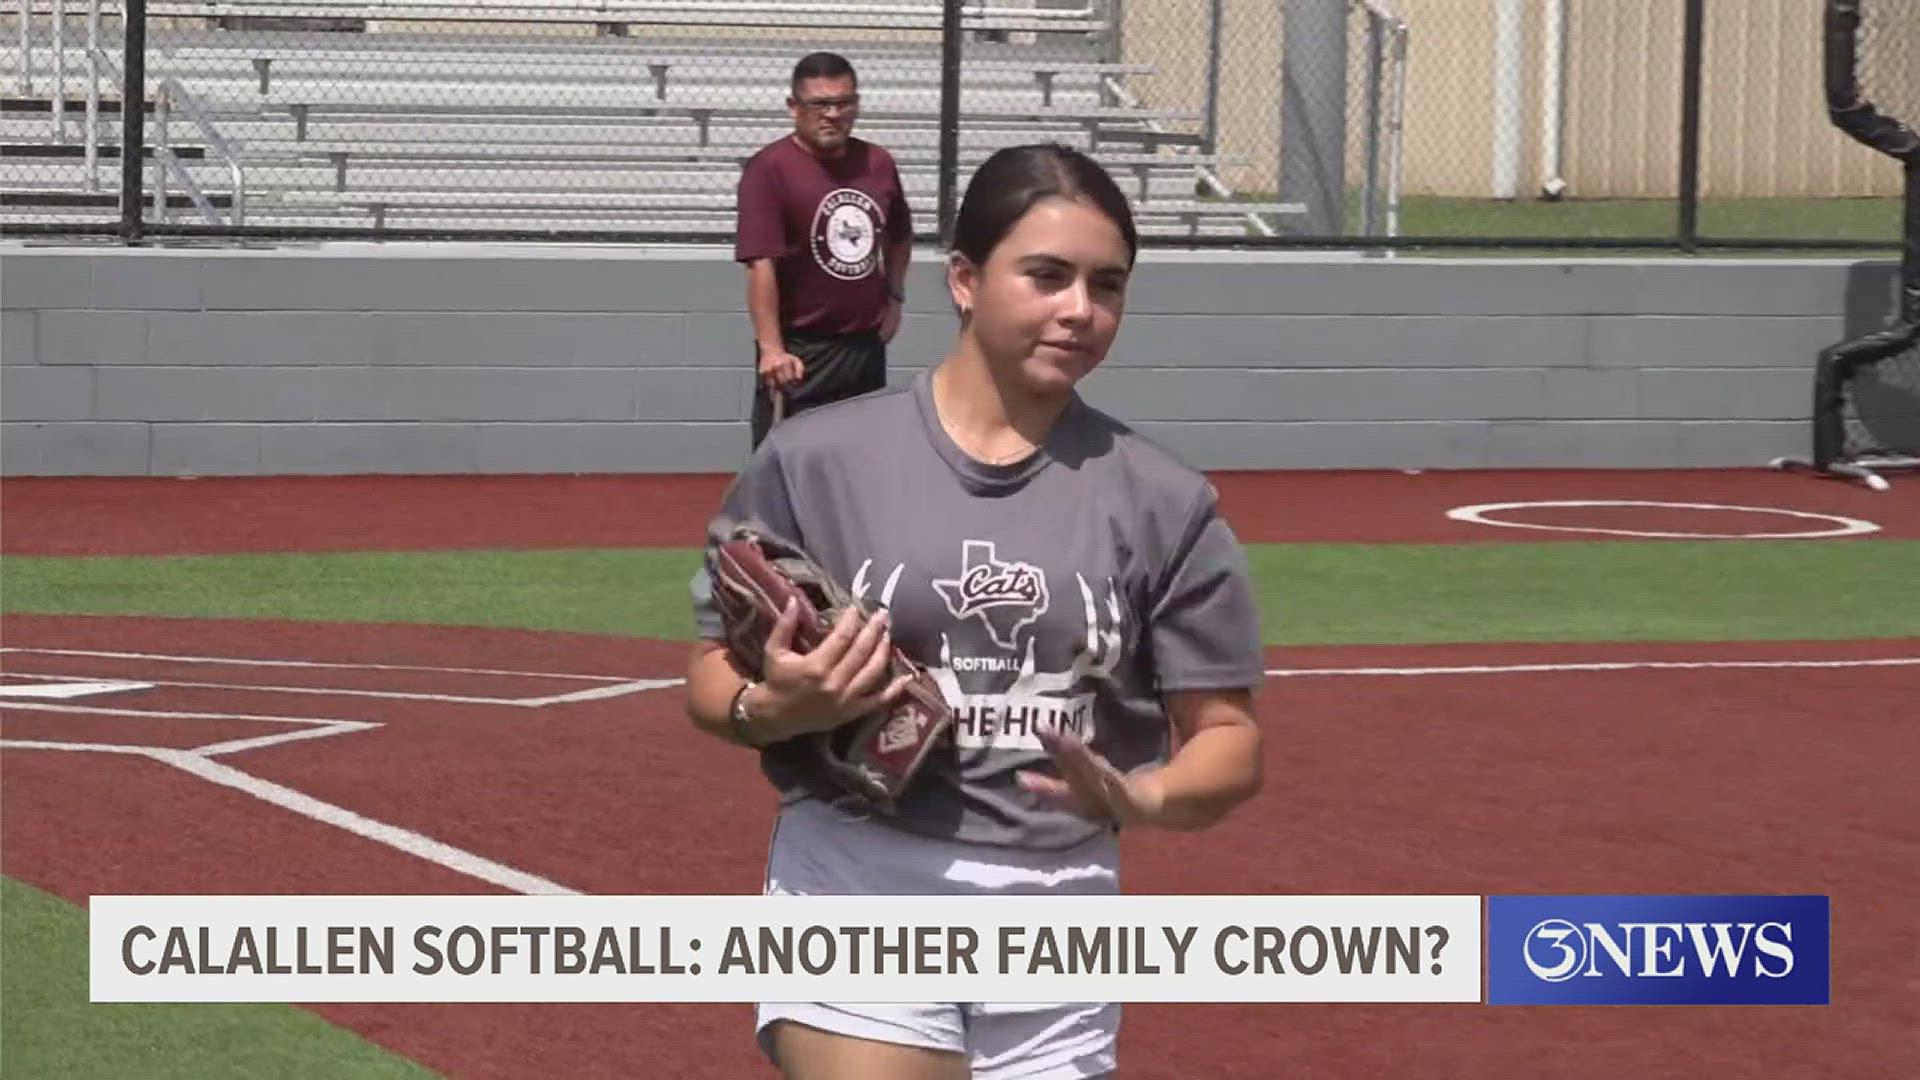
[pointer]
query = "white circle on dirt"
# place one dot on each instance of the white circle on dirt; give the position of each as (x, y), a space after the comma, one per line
(1835, 525)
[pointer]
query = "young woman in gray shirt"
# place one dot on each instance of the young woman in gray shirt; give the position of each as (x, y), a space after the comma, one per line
(1071, 586)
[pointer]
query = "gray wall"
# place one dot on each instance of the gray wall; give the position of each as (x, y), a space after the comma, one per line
(431, 359)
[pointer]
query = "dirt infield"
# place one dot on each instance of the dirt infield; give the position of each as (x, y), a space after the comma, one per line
(108, 516)
(1764, 768)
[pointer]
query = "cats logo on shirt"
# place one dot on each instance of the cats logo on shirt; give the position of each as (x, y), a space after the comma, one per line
(1003, 596)
(846, 233)
(1007, 703)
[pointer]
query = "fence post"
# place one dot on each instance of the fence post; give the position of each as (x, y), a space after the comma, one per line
(1692, 50)
(949, 116)
(162, 152)
(1214, 19)
(59, 67)
(26, 48)
(133, 115)
(1509, 96)
(1313, 112)
(93, 96)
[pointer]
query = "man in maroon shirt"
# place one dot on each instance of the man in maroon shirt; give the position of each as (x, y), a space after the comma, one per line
(825, 233)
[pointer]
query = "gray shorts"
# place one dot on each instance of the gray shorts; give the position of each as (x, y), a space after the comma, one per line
(818, 849)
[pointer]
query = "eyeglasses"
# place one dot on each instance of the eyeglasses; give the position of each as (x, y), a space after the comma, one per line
(830, 105)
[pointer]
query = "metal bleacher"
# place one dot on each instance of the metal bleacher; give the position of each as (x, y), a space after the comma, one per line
(586, 117)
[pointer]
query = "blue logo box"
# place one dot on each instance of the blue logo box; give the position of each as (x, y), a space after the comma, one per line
(1657, 950)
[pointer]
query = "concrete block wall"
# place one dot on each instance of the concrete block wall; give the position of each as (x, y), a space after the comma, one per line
(359, 358)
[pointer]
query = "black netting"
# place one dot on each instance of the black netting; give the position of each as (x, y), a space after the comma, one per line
(1880, 414)
(1888, 58)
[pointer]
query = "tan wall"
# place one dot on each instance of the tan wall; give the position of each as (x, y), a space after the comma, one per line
(1765, 131)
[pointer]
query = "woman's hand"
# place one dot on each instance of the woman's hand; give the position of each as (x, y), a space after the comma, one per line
(1217, 767)
(842, 679)
(1090, 786)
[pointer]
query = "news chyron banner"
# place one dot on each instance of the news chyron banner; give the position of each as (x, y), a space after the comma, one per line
(996, 948)
(1658, 950)
(1536, 950)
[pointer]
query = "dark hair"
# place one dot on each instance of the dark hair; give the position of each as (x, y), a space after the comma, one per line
(822, 65)
(1008, 184)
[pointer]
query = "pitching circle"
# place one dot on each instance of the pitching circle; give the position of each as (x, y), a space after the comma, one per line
(1841, 526)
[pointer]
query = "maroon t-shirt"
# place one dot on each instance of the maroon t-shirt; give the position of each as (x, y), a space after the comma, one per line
(826, 222)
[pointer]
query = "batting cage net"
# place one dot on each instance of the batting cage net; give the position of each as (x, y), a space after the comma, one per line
(1887, 56)
(1866, 409)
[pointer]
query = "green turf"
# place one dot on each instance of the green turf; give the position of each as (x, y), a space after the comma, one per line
(1653, 591)
(48, 1028)
(640, 592)
(1750, 219)
(1310, 593)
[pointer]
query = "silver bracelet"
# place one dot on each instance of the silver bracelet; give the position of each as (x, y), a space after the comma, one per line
(737, 719)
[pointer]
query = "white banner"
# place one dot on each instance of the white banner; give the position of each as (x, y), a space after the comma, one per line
(785, 948)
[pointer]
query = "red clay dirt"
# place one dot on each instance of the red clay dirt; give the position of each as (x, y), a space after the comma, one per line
(1710, 780)
(160, 516)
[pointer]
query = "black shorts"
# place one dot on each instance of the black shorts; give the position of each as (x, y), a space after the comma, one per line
(838, 366)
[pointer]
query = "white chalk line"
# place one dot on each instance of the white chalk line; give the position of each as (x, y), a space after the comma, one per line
(590, 694)
(308, 727)
(200, 762)
(1603, 665)
(161, 714)
(598, 692)
(1847, 526)
(63, 686)
(72, 747)
(318, 731)
(255, 662)
(393, 836)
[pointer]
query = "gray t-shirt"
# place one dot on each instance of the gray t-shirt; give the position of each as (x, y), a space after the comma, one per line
(1072, 588)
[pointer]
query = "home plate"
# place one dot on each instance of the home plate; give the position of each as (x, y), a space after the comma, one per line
(64, 690)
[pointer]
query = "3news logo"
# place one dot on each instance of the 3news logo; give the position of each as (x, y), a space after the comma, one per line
(1657, 950)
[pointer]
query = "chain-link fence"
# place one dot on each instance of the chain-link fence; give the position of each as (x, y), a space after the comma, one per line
(1228, 121)
(60, 118)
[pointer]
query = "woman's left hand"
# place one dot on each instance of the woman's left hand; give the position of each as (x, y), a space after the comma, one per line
(1090, 786)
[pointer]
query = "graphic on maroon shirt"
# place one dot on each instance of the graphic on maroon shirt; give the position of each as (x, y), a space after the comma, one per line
(844, 230)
